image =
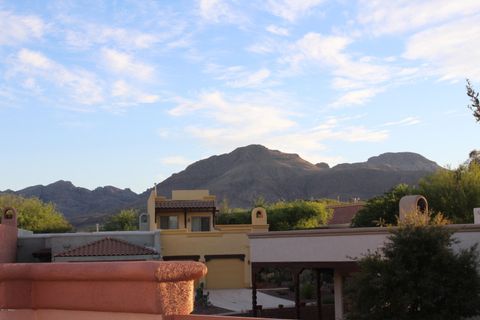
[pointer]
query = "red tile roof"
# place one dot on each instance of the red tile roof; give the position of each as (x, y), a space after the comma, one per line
(180, 204)
(107, 247)
(344, 214)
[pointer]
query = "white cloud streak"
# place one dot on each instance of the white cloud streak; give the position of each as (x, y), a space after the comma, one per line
(125, 64)
(449, 51)
(362, 77)
(396, 16)
(356, 97)
(74, 88)
(241, 120)
(279, 31)
(16, 29)
(88, 35)
(239, 77)
(219, 11)
(292, 10)
(409, 121)
(82, 86)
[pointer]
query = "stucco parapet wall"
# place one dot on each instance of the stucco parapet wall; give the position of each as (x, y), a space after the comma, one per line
(50, 314)
(80, 234)
(150, 287)
(350, 231)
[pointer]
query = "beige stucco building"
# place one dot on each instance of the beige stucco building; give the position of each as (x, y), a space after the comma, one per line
(188, 232)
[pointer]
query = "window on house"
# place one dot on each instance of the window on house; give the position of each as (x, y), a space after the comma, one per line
(168, 222)
(200, 223)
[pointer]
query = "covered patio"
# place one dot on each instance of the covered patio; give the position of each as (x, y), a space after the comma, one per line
(326, 250)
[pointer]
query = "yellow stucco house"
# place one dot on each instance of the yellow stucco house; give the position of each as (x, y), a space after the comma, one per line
(189, 232)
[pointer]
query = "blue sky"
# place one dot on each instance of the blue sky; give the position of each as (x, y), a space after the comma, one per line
(126, 93)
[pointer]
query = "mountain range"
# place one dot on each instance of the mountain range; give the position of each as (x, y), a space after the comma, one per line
(242, 176)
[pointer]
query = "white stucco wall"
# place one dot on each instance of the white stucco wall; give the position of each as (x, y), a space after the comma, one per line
(334, 245)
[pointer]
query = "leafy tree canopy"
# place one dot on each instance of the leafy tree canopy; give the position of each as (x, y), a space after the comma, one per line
(285, 215)
(475, 103)
(35, 215)
(417, 275)
(382, 209)
(452, 192)
(125, 220)
(297, 214)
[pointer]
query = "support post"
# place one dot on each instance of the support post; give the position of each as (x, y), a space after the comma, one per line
(184, 218)
(338, 294)
(319, 293)
(254, 292)
(296, 283)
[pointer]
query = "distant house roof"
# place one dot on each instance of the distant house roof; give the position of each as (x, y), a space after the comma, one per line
(182, 204)
(107, 247)
(343, 214)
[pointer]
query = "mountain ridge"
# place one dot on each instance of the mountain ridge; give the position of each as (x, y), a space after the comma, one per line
(240, 177)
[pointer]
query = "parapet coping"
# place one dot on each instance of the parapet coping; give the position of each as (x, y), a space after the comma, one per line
(156, 271)
(100, 234)
(349, 231)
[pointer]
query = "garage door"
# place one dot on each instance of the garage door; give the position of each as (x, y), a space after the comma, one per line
(225, 273)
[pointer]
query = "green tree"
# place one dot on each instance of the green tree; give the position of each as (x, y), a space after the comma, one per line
(36, 215)
(453, 192)
(125, 220)
(285, 215)
(475, 103)
(235, 216)
(259, 202)
(417, 275)
(382, 209)
(297, 215)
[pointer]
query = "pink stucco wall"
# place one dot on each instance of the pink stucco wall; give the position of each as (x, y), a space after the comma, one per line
(8, 235)
(94, 315)
(151, 287)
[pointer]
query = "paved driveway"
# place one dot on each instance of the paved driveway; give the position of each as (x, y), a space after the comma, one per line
(241, 299)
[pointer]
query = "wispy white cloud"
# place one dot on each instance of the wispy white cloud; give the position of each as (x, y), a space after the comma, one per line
(239, 77)
(126, 95)
(84, 36)
(409, 121)
(125, 64)
(265, 46)
(163, 133)
(16, 29)
(355, 97)
(237, 118)
(244, 119)
(292, 10)
(396, 16)
(449, 51)
(279, 31)
(82, 86)
(363, 77)
(73, 87)
(219, 11)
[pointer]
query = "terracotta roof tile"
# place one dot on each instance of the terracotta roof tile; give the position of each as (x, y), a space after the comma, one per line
(344, 214)
(180, 204)
(107, 247)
